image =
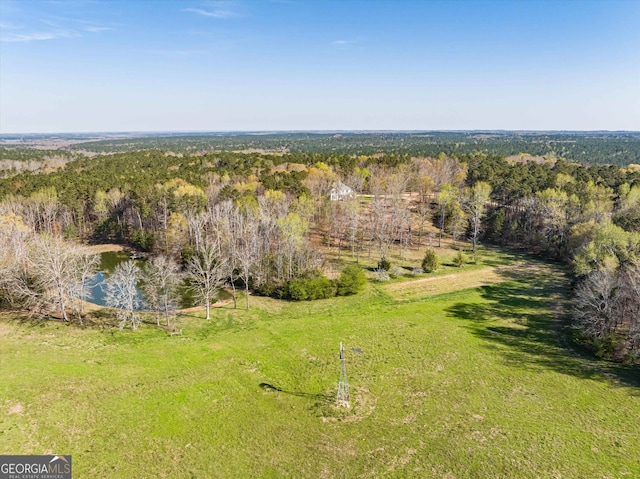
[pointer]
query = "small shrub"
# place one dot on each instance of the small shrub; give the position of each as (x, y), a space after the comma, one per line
(314, 286)
(396, 271)
(351, 281)
(382, 275)
(297, 289)
(430, 261)
(459, 259)
(267, 289)
(321, 288)
(384, 264)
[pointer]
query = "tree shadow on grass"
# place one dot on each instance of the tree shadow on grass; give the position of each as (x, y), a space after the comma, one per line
(324, 398)
(527, 323)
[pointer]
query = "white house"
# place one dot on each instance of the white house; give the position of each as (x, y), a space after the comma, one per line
(340, 191)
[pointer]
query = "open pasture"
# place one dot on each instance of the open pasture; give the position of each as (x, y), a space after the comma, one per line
(445, 383)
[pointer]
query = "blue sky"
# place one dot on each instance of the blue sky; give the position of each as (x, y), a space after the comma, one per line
(71, 66)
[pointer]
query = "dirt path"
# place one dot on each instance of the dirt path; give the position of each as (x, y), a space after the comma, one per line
(218, 304)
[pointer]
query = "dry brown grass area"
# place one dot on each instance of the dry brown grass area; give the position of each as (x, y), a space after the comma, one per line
(217, 304)
(463, 280)
(104, 248)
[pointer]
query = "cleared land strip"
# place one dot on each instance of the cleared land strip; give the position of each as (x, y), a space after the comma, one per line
(104, 248)
(463, 280)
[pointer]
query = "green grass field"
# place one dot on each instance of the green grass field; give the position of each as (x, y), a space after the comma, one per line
(474, 383)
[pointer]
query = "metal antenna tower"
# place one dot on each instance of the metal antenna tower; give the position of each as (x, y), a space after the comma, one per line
(342, 398)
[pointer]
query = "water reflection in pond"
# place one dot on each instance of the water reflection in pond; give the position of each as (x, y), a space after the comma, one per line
(108, 263)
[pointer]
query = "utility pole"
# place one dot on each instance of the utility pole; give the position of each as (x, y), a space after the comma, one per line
(342, 398)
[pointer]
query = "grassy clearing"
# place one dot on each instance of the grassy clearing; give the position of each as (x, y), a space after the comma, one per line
(466, 384)
(412, 258)
(436, 284)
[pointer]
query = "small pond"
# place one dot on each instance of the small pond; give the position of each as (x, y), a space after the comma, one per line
(108, 263)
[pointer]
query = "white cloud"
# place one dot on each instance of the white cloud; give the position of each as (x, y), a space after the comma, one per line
(183, 53)
(343, 43)
(92, 29)
(222, 9)
(208, 13)
(9, 26)
(55, 27)
(35, 36)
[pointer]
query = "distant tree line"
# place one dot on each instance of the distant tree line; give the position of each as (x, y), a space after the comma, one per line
(617, 148)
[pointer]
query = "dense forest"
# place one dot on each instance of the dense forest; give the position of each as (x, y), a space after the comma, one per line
(616, 148)
(254, 220)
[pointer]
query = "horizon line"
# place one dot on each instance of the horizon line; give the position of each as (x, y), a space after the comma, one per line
(317, 131)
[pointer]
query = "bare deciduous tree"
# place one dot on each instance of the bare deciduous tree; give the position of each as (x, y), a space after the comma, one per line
(447, 195)
(15, 287)
(475, 203)
(292, 229)
(352, 217)
(628, 288)
(442, 170)
(85, 266)
(196, 222)
(595, 304)
(424, 212)
(206, 272)
(121, 292)
(246, 235)
(53, 263)
(160, 280)
(607, 305)
(42, 208)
